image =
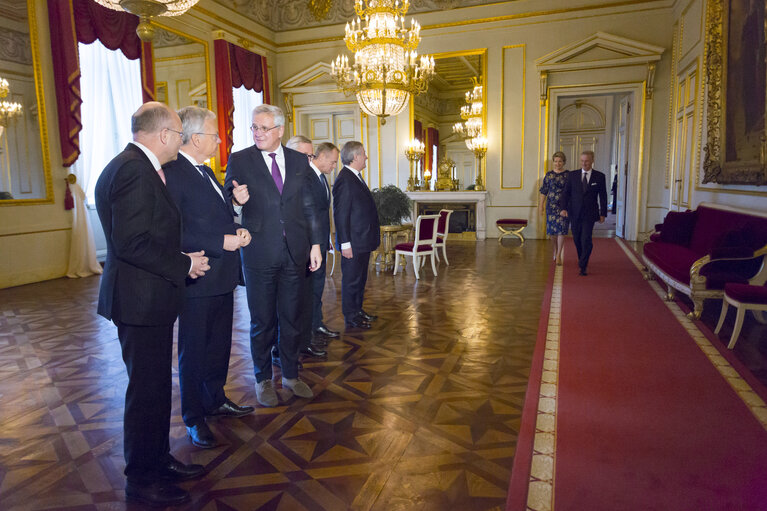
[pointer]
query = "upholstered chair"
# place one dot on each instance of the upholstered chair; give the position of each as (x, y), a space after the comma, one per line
(744, 297)
(422, 246)
(442, 228)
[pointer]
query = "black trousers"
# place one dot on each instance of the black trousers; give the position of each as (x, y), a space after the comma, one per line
(582, 231)
(204, 345)
(318, 288)
(275, 298)
(147, 352)
(353, 280)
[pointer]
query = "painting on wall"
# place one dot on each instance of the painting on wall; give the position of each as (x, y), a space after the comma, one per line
(736, 149)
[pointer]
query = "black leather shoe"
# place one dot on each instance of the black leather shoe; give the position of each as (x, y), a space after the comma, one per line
(368, 317)
(314, 352)
(201, 435)
(359, 323)
(174, 470)
(325, 331)
(583, 273)
(156, 494)
(229, 409)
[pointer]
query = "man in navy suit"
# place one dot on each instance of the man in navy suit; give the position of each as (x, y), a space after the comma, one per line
(357, 233)
(142, 291)
(584, 201)
(205, 322)
(271, 184)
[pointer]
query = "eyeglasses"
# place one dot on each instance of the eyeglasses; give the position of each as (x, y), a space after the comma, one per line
(209, 134)
(180, 133)
(311, 156)
(262, 129)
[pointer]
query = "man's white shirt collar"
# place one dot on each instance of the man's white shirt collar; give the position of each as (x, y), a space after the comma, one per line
(191, 160)
(316, 170)
(149, 154)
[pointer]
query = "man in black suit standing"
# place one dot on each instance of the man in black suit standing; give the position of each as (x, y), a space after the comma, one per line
(357, 233)
(205, 322)
(142, 291)
(271, 183)
(584, 201)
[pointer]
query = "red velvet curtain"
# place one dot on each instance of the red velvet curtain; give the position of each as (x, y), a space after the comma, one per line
(84, 21)
(432, 139)
(235, 67)
(418, 134)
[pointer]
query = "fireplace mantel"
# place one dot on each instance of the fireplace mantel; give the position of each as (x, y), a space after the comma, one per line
(468, 196)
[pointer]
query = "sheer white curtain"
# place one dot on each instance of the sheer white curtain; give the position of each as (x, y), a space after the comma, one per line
(244, 102)
(110, 86)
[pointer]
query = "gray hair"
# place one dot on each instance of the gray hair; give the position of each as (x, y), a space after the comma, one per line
(350, 150)
(192, 120)
(276, 112)
(297, 140)
(588, 153)
(325, 147)
(151, 118)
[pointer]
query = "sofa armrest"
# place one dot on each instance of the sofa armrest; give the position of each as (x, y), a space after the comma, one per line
(698, 265)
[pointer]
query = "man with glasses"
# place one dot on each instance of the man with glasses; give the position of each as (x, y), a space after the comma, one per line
(142, 292)
(205, 322)
(271, 184)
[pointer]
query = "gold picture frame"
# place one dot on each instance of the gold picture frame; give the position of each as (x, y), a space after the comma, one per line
(736, 148)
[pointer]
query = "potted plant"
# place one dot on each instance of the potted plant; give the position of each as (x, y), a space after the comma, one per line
(392, 204)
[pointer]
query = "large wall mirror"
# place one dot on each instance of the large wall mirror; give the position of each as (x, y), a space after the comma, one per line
(181, 69)
(440, 108)
(25, 169)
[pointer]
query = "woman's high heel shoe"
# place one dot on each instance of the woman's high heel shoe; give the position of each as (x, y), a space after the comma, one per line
(559, 261)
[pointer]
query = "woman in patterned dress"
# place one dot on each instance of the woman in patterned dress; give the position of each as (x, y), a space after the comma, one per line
(551, 190)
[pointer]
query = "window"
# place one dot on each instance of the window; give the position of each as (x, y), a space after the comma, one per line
(245, 100)
(110, 87)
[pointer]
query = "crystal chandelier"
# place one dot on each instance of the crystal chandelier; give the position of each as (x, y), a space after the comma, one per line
(471, 113)
(386, 69)
(8, 109)
(146, 9)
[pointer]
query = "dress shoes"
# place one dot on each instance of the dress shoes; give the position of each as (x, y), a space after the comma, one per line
(156, 494)
(229, 409)
(201, 435)
(314, 352)
(368, 317)
(174, 470)
(583, 272)
(326, 332)
(358, 322)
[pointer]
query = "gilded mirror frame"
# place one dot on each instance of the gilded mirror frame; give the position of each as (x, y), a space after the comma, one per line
(41, 115)
(482, 52)
(208, 94)
(715, 167)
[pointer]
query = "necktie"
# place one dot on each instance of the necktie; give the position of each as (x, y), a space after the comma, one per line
(325, 182)
(276, 172)
(362, 179)
(201, 168)
(161, 173)
(585, 182)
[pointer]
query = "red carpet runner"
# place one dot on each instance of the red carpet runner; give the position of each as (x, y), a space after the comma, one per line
(633, 413)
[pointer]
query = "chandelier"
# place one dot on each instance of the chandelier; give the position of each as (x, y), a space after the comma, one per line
(146, 9)
(471, 113)
(386, 69)
(9, 110)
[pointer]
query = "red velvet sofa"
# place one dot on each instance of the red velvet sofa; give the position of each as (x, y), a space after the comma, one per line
(698, 252)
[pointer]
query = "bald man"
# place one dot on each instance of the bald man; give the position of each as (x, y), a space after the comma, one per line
(142, 292)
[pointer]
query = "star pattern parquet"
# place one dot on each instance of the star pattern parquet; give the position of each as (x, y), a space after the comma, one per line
(421, 412)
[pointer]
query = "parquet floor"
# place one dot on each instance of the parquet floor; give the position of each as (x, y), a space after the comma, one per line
(420, 413)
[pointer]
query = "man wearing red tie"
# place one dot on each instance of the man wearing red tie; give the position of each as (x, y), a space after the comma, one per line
(584, 201)
(271, 183)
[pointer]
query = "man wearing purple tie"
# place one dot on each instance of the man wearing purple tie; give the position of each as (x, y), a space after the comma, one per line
(270, 183)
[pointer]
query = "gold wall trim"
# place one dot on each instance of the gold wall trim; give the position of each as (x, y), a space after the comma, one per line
(522, 121)
(35, 232)
(675, 49)
(229, 23)
(189, 56)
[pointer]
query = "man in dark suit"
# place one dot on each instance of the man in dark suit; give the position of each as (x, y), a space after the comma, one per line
(357, 233)
(205, 322)
(142, 291)
(584, 201)
(323, 161)
(271, 183)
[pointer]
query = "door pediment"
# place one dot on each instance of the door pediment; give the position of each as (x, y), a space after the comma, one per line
(599, 50)
(312, 79)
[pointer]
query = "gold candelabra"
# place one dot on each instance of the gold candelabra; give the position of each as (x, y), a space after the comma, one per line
(9, 110)
(479, 146)
(414, 152)
(386, 70)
